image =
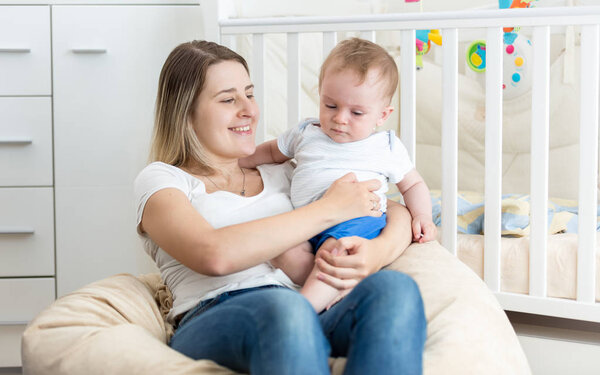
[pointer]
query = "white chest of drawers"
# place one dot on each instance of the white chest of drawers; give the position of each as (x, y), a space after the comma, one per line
(27, 255)
(77, 91)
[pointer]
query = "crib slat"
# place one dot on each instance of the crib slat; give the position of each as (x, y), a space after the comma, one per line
(449, 138)
(408, 92)
(493, 157)
(293, 79)
(329, 41)
(368, 35)
(588, 164)
(540, 124)
(258, 78)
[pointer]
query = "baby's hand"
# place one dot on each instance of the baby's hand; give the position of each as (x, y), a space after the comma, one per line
(423, 229)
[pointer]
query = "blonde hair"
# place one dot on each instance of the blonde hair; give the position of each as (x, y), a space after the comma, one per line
(361, 56)
(181, 81)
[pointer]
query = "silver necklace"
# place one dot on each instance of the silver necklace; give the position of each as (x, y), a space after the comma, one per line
(243, 192)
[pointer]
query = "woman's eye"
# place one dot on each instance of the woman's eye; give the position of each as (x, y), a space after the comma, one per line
(249, 96)
(230, 100)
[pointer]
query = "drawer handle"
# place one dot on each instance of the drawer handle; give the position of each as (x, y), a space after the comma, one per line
(14, 50)
(16, 230)
(15, 141)
(13, 323)
(89, 50)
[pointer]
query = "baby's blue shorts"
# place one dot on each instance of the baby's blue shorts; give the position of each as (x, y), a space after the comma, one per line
(367, 227)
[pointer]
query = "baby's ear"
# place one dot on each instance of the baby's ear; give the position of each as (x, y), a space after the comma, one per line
(385, 113)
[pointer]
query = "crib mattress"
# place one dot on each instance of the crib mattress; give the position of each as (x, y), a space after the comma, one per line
(561, 263)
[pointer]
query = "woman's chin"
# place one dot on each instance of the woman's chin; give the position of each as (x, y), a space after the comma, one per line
(247, 151)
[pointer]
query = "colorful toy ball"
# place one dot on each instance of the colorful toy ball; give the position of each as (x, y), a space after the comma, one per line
(516, 69)
(476, 56)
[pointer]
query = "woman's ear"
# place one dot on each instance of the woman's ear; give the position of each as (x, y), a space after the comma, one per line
(385, 113)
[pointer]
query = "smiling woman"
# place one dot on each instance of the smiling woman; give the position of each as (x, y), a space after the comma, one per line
(183, 77)
(224, 118)
(214, 228)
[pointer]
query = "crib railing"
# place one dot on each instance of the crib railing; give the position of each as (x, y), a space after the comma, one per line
(541, 20)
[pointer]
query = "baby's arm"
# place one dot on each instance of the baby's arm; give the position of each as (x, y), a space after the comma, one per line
(296, 262)
(266, 153)
(418, 201)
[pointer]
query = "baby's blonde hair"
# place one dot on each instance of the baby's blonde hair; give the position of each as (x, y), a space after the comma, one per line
(361, 56)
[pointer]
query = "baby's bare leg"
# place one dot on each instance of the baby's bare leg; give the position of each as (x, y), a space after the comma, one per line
(296, 262)
(319, 294)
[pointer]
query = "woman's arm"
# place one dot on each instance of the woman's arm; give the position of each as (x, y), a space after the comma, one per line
(367, 256)
(171, 221)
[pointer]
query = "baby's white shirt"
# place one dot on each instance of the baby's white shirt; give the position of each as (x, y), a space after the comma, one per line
(321, 161)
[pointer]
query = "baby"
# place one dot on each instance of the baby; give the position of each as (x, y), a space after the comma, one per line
(356, 85)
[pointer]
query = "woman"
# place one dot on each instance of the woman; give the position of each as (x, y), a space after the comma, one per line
(212, 228)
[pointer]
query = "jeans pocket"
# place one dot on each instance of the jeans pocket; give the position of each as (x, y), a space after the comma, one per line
(197, 310)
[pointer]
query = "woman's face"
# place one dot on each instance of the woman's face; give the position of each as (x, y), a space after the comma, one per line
(225, 116)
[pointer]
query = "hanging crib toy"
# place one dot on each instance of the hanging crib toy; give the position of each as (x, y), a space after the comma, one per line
(516, 54)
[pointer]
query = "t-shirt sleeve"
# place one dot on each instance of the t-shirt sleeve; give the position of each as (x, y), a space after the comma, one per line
(155, 177)
(401, 161)
(288, 141)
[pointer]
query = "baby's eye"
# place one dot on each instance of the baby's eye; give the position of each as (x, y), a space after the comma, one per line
(356, 113)
(330, 106)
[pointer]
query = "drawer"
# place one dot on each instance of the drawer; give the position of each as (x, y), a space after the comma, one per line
(26, 232)
(10, 345)
(25, 50)
(23, 299)
(25, 142)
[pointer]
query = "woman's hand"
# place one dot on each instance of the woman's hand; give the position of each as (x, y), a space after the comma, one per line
(350, 198)
(343, 272)
(366, 256)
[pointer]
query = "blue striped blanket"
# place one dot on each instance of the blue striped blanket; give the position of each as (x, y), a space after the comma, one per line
(562, 213)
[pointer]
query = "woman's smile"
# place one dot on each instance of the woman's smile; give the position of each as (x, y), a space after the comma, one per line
(245, 130)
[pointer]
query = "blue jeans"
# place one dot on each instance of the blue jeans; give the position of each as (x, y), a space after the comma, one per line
(380, 327)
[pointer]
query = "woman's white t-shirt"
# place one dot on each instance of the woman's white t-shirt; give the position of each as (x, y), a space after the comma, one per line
(220, 209)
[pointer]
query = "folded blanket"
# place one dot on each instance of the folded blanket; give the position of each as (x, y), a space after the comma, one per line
(516, 211)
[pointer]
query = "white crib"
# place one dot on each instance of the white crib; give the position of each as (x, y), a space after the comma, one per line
(585, 306)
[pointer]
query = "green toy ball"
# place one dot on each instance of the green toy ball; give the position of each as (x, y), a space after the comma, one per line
(476, 56)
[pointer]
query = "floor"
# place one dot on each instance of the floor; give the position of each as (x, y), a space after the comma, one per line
(558, 346)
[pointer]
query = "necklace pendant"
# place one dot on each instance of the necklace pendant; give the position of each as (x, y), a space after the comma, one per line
(243, 193)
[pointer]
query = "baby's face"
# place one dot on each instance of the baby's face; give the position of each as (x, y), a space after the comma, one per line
(351, 110)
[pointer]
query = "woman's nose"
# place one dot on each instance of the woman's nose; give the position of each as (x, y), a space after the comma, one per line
(249, 108)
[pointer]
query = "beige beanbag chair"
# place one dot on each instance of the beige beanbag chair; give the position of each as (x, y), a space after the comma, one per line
(115, 326)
